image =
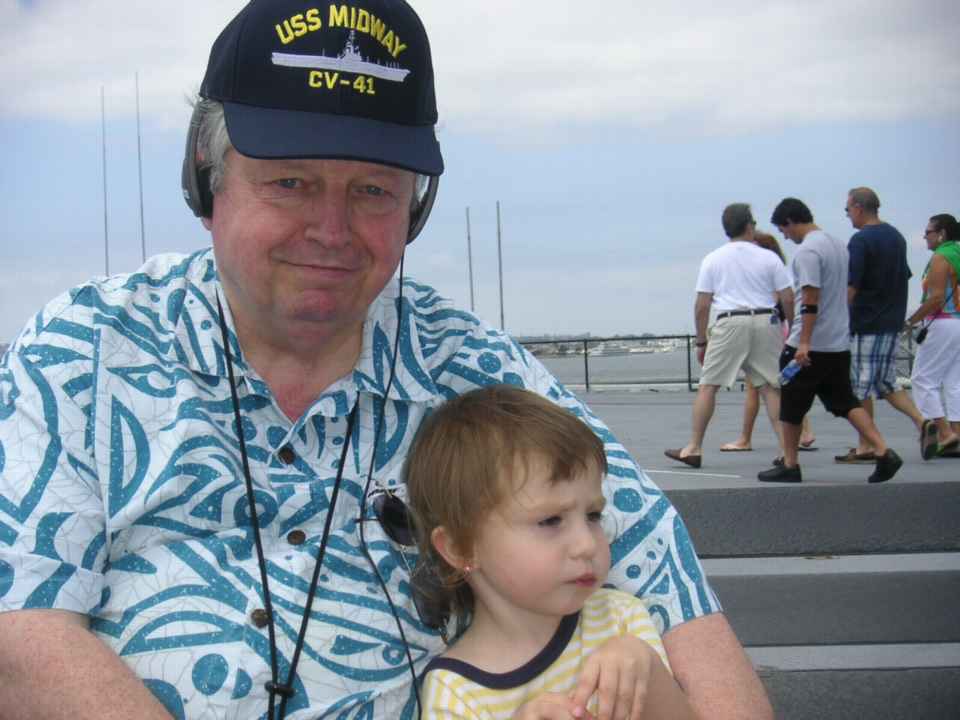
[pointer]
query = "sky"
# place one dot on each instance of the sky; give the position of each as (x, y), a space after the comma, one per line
(612, 135)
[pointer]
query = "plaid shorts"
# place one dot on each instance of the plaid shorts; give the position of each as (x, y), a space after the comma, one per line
(873, 364)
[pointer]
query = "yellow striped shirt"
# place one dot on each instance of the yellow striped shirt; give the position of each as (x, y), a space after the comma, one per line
(453, 689)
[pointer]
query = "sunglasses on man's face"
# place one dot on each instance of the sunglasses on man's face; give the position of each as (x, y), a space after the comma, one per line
(394, 518)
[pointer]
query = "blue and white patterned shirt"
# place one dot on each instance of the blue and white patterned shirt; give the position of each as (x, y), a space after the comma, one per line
(122, 493)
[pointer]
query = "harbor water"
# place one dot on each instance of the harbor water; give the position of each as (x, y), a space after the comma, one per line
(653, 368)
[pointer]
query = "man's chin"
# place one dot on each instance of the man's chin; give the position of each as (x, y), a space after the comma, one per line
(324, 312)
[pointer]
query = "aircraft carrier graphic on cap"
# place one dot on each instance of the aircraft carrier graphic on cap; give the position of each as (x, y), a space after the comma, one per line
(349, 60)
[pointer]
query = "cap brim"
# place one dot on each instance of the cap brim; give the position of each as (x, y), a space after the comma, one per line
(269, 133)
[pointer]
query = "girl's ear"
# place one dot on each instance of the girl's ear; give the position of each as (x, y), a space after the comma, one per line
(444, 544)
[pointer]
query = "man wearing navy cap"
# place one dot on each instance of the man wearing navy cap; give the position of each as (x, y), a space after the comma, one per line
(201, 512)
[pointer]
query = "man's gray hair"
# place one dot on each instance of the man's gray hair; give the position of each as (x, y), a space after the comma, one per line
(736, 218)
(213, 140)
(213, 143)
(865, 198)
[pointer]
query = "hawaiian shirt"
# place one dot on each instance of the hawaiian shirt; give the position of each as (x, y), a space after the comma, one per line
(122, 493)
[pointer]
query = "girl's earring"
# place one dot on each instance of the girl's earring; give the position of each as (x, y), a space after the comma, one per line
(467, 569)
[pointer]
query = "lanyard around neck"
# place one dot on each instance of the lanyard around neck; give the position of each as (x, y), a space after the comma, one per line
(274, 688)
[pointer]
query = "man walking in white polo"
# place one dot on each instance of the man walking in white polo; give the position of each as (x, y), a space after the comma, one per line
(742, 282)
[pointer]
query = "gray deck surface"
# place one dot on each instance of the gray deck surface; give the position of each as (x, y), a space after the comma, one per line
(649, 421)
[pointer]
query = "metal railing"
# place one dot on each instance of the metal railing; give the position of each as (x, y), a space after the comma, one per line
(640, 359)
(647, 360)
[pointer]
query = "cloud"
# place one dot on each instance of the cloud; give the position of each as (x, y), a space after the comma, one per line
(56, 55)
(701, 65)
(696, 67)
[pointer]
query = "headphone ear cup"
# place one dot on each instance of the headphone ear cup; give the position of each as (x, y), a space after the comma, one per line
(418, 217)
(195, 181)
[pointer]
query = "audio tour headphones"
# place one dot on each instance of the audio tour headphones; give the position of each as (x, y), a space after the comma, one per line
(195, 182)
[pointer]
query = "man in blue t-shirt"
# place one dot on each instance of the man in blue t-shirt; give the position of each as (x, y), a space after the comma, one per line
(877, 293)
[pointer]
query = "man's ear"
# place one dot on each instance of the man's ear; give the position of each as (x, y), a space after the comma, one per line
(207, 222)
(444, 544)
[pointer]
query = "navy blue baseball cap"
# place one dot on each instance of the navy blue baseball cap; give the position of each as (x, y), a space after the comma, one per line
(340, 80)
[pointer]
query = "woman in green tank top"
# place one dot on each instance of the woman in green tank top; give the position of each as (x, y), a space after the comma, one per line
(936, 369)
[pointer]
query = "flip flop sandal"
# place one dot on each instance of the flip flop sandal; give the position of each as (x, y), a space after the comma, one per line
(949, 449)
(928, 440)
(852, 457)
(691, 460)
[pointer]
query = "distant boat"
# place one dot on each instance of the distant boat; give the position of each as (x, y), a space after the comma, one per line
(349, 60)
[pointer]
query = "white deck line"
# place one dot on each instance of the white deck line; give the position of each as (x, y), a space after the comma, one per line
(855, 657)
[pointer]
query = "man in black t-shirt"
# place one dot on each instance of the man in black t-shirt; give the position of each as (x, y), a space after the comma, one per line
(877, 293)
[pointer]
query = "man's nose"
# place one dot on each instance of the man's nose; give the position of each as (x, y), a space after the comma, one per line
(327, 215)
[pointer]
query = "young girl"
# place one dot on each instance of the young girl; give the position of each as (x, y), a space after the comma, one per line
(505, 490)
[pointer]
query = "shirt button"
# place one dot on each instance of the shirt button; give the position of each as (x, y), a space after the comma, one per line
(296, 537)
(286, 455)
(260, 618)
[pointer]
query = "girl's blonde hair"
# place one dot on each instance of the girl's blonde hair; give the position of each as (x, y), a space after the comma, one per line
(463, 464)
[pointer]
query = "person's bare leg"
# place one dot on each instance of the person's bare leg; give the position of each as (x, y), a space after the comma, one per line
(863, 443)
(703, 408)
(863, 423)
(946, 432)
(807, 437)
(751, 406)
(771, 400)
(902, 401)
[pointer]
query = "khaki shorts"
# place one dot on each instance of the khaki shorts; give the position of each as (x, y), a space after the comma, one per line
(752, 342)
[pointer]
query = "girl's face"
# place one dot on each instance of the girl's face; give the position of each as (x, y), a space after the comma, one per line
(543, 550)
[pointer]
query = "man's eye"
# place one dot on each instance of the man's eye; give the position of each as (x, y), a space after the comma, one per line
(288, 183)
(595, 516)
(374, 190)
(551, 521)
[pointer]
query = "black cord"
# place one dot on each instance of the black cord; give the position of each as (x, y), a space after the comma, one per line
(314, 581)
(254, 519)
(366, 491)
(274, 688)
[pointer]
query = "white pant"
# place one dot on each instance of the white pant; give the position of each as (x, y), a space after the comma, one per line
(937, 367)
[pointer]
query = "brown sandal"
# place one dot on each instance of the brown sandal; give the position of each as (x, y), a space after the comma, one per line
(691, 460)
(852, 457)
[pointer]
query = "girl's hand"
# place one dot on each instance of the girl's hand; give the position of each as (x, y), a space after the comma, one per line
(549, 706)
(618, 672)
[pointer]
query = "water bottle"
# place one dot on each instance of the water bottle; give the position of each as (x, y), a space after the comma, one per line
(789, 372)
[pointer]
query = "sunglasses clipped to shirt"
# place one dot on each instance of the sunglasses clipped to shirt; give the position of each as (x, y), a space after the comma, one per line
(426, 586)
(394, 517)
